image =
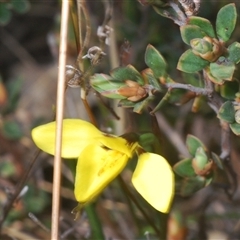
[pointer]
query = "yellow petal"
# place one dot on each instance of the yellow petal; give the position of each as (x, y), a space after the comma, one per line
(77, 134)
(119, 144)
(97, 166)
(153, 178)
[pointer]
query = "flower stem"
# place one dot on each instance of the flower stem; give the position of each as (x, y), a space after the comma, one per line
(132, 197)
(95, 222)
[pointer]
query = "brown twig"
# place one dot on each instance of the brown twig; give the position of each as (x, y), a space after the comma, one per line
(197, 90)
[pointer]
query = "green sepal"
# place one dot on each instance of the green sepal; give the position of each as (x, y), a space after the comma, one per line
(235, 127)
(204, 24)
(129, 72)
(227, 112)
(226, 21)
(189, 32)
(193, 143)
(155, 61)
(106, 85)
(184, 168)
(234, 52)
(191, 63)
(229, 89)
(222, 69)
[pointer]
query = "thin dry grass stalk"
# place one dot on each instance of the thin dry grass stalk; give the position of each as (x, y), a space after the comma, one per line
(59, 118)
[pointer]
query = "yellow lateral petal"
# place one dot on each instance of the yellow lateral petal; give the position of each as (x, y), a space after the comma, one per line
(153, 178)
(77, 134)
(97, 166)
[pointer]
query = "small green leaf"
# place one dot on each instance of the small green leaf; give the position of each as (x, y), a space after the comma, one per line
(234, 52)
(155, 61)
(216, 80)
(139, 106)
(184, 168)
(217, 160)
(193, 143)
(166, 11)
(229, 89)
(126, 103)
(204, 24)
(150, 79)
(227, 112)
(222, 69)
(149, 142)
(226, 21)
(191, 63)
(235, 128)
(189, 32)
(106, 86)
(192, 185)
(129, 72)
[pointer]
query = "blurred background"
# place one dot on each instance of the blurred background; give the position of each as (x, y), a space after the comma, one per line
(29, 39)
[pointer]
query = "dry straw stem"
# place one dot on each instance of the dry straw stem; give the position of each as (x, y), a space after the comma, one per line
(59, 118)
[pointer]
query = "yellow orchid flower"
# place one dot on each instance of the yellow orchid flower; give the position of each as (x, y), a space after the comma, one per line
(101, 157)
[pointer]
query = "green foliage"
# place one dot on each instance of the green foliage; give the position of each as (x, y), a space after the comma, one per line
(122, 74)
(190, 63)
(192, 185)
(13, 88)
(193, 143)
(20, 6)
(235, 127)
(208, 61)
(189, 32)
(209, 53)
(197, 171)
(204, 25)
(227, 112)
(226, 21)
(184, 168)
(11, 130)
(229, 89)
(155, 61)
(234, 52)
(222, 69)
